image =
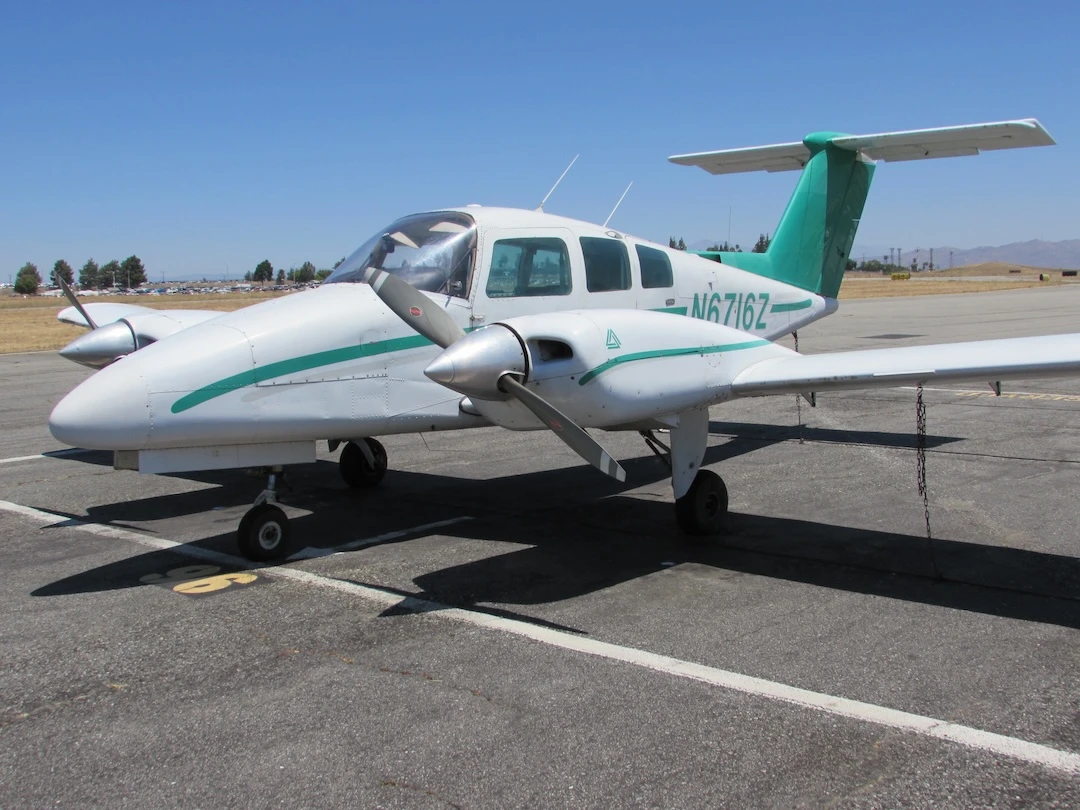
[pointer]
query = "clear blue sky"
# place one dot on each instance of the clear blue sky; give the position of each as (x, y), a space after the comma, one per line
(204, 136)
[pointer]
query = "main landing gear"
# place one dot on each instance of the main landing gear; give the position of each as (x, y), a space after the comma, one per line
(362, 463)
(701, 497)
(263, 534)
(703, 509)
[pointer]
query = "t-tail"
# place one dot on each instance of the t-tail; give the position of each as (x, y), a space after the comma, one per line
(812, 243)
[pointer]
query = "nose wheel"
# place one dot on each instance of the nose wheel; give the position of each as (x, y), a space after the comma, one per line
(362, 463)
(264, 531)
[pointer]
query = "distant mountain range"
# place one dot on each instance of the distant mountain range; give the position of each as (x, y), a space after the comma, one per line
(1033, 253)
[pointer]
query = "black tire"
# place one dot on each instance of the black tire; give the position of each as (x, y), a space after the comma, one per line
(264, 533)
(703, 510)
(354, 467)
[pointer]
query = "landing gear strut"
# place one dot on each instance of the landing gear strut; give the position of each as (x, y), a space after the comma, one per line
(264, 531)
(362, 463)
(701, 497)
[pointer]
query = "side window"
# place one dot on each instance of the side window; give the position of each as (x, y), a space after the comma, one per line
(655, 267)
(529, 266)
(607, 265)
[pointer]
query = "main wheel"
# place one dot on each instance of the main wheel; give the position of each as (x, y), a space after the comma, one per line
(264, 533)
(703, 509)
(354, 467)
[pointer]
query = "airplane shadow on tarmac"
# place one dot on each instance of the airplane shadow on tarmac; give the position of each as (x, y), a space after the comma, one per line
(582, 535)
(318, 485)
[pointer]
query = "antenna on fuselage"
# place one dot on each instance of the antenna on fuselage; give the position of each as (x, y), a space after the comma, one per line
(540, 207)
(616, 208)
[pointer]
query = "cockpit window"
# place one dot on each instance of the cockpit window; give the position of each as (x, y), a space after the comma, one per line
(432, 252)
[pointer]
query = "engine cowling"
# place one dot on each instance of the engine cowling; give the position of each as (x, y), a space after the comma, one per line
(602, 368)
(111, 341)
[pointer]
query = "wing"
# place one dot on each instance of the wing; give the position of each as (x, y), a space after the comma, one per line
(984, 360)
(106, 313)
(102, 313)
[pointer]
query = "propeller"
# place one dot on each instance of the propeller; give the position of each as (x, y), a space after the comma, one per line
(416, 309)
(488, 365)
(565, 428)
(75, 302)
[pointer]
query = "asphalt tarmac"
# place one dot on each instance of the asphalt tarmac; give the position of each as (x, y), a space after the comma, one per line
(551, 641)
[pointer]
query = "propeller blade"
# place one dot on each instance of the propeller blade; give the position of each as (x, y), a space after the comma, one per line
(75, 301)
(562, 426)
(433, 322)
(415, 308)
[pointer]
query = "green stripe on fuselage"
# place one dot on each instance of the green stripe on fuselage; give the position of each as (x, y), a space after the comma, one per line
(295, 365)
(652, 355)
(792, 307)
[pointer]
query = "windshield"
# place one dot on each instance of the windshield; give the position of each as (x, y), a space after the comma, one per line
(432, 252)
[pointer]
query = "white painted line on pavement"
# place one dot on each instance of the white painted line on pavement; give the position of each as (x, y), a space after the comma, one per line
(311, 553)
(51, 454)
(13, 459)
(1000, 744)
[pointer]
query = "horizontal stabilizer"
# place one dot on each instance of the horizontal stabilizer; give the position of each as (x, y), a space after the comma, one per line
(916, 144)
(983, 360)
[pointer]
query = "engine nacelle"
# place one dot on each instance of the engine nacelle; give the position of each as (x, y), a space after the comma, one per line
(111, 341)
(602, 368)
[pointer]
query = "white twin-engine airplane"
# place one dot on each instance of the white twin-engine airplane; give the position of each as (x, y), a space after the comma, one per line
(476, 316)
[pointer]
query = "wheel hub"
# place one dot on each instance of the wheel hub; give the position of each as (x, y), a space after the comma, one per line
(270, 536)
(711, 506)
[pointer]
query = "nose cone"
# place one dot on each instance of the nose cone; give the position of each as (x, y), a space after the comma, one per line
(474, 364)
(441, 369)
(109, 411)
(99, 347)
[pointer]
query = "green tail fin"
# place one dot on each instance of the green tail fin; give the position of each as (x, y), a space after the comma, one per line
(811, 245)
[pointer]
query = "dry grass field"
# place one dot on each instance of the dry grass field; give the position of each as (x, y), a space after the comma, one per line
(886, 288)
(29, 324)
(977, 278)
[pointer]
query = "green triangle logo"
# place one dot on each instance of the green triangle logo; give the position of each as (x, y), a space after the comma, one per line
(613, 340)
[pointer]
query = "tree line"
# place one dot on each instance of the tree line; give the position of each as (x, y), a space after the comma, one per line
(304, 274)
(760, 246)
(131, 273)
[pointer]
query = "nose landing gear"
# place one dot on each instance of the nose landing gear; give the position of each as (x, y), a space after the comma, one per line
(264, 531)
(263, 534)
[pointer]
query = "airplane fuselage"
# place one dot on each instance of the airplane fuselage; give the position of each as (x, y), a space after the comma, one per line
(335, 363)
